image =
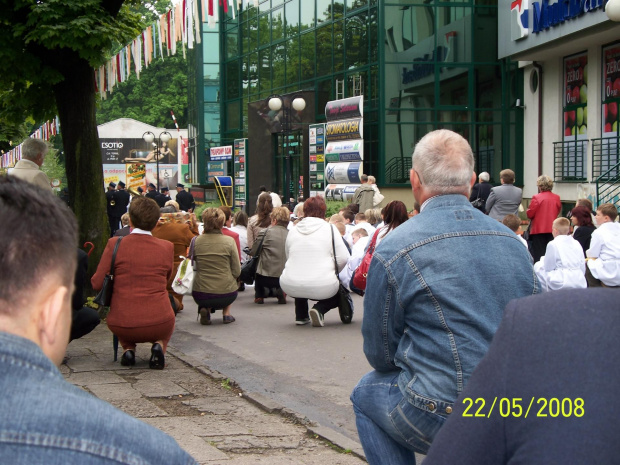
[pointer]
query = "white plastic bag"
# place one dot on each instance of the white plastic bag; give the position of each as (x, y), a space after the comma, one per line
(184, 279)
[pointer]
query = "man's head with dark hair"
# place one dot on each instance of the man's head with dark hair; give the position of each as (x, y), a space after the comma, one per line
(353, 207)
(513, 222)
(144, 213)
(262, 189)
(349, 216)
(37, 265)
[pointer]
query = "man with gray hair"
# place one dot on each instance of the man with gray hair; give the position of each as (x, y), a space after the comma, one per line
(44, 418)
(33, 155)
(436, 290)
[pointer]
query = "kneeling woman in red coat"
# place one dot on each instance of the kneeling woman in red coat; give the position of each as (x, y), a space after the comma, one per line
(140, 310)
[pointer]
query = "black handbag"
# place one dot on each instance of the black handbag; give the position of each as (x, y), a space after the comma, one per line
(248, 270)
(345, 302)
(104, 297)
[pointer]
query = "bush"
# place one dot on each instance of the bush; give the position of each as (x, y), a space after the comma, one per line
(334, 207)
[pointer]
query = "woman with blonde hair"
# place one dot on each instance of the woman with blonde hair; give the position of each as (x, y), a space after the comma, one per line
(217, 268)
(544, 208)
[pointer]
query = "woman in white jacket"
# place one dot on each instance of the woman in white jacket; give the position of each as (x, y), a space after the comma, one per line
(309, 272)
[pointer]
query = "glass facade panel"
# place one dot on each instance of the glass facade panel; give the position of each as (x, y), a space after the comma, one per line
(356, 41)
(232, 45)
(338, 9)
(211, 54)
(232, 77)
(278, 65)
(233, 115)
(338, 46)
(291, 10)
(324, 51)
(354, 4)
(323, 10)
(293, 62)
(264, 71)
(264, 30)
(308, 54)
(277, 24)
(308, 18)
(453, 86)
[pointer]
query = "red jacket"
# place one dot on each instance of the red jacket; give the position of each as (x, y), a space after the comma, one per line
(544, 208)
(142, 267)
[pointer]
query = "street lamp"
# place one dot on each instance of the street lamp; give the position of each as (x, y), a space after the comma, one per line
(286, 104)
(613, 10)
(149, 137)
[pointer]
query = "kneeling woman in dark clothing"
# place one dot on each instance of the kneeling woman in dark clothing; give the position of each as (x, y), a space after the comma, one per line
(582, 220)
(217, 268)
(140, 310)
(272, 257)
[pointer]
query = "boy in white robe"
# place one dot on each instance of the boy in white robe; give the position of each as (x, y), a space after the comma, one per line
(563, 265)
(604, 252)
(360, 241)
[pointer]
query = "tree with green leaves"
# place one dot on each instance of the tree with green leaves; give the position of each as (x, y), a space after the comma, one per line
(162, 87)
(49, 50)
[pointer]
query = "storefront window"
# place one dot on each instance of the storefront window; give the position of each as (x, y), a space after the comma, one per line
(606, 158)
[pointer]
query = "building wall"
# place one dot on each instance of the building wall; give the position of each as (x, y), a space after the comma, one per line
(549, 48)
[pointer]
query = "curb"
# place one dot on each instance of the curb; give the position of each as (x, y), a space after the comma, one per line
(272, 407)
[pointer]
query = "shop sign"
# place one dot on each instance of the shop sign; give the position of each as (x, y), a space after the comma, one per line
(351, 107)
(221, 153)
(344, 129)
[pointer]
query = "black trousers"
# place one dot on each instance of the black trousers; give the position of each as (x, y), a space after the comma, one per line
(323, 306)
(538, 244)
(263, 284)
(83, 322)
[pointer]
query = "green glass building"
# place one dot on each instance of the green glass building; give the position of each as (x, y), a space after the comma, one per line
(420, 65)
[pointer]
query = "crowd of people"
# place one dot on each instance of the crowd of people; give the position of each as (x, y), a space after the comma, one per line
(450, 306)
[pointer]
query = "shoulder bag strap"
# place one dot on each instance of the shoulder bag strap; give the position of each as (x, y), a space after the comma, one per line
(114, 256)
(334, 249)
(373, 242)
(260, 246)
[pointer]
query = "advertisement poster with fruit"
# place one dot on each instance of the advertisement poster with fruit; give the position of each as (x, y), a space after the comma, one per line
(575, 116)
(575, 95)
(611, 88)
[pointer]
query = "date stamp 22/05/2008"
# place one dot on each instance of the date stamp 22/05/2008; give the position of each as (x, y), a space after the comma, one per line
(518, 407)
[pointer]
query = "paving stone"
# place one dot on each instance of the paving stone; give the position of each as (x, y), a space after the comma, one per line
(93, 377)
(114, 392)
(139, 408)
(161, 388)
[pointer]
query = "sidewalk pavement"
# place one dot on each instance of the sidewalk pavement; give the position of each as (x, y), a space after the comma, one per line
(210, 417)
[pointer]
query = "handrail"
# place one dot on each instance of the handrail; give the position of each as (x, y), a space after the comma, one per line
(611, 192)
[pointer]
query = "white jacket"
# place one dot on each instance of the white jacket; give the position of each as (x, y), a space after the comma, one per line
(309, 271)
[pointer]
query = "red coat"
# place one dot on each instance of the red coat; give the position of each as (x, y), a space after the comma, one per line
(544, 208)
(143, 267)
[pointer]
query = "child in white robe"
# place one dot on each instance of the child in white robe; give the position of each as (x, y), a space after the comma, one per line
(604, 252)
(360, 241)
(563, 265)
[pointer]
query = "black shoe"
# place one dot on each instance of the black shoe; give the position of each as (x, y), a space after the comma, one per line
(128, 359)
(158, 361)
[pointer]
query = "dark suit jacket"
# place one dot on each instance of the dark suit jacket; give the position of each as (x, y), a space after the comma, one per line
(185, 201)
(560, 345)
(583, 234)
(481, 190)
(122, 200)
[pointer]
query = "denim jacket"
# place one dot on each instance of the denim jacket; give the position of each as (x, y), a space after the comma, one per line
(436, 291)
(46, 420)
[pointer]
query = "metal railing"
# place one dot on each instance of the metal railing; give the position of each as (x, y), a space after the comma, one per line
(397, 170)
(569, 160)
(608, 186)
(605, 154)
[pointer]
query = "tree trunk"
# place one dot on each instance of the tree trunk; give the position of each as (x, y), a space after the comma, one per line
(75, 100)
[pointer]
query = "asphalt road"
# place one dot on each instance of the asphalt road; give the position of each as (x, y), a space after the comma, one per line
(309, 370)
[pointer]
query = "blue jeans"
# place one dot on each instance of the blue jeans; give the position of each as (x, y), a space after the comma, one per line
(389, 427)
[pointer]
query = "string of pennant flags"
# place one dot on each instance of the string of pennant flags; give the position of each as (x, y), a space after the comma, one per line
(179, 25)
